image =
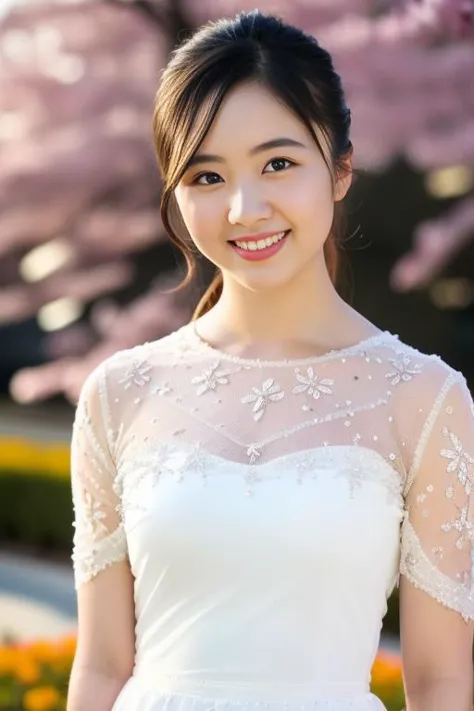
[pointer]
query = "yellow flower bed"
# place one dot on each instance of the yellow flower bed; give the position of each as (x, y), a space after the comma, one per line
(18, 454)
(34, 677)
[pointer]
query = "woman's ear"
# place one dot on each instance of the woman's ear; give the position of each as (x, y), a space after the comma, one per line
(344, 177)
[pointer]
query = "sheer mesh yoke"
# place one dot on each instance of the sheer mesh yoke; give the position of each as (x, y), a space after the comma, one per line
(387, 414)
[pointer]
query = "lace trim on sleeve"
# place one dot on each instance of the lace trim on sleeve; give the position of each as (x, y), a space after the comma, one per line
(90, 558)
(418, 569)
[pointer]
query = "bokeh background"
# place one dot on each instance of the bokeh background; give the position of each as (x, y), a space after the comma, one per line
(86, 268)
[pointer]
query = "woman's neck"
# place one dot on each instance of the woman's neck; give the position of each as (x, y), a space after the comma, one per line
(303, 318)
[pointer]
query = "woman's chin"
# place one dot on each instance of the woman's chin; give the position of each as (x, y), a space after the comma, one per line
(266, 280)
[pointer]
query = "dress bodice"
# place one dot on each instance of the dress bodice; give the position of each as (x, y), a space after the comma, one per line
(267, 509)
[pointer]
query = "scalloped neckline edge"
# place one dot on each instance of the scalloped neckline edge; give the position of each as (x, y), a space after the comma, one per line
(189, 330)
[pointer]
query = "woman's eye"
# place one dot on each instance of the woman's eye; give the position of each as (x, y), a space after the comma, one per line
(207, 179)
(278, 164)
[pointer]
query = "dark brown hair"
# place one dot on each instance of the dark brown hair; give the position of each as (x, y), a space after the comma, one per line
(219, 57)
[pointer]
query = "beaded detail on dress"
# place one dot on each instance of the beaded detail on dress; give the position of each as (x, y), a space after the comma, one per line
(266, 511)
(376, 414)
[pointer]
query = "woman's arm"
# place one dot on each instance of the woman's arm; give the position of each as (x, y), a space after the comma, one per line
(106, 640)
(104, 582)
(437, 653)
(440, 695)
(436, 582)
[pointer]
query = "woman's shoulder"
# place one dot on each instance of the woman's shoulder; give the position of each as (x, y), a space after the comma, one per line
(407, 365)
(137, 363)
(167, 346)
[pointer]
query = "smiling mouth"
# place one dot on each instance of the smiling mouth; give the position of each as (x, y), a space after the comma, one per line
(261, 244)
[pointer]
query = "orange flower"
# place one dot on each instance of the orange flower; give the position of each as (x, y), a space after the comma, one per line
(67, 646)
(27, 671)
(386, 680)
(42, 651)
(8, 660)
(43, 698)
(387, 668)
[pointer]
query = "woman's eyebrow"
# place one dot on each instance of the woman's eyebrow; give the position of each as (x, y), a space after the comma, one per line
(276, 143)
(267, 145)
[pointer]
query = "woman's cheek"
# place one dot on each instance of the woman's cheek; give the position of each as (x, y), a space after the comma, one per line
(209, 213)
(196, 215)
(311, 199)
(205, 223)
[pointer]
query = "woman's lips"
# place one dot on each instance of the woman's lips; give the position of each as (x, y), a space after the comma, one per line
(253, 254)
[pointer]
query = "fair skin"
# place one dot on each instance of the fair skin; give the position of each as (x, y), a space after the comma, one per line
(286, 306)
(106, 640)
(436, 652)
(245, 191)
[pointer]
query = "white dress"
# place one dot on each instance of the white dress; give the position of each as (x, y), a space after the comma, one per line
(267, 509)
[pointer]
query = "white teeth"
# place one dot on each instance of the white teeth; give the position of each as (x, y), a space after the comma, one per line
(261, 243)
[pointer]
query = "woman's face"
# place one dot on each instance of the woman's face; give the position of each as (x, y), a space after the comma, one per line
(257, 197)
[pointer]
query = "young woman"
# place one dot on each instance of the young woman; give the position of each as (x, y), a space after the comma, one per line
(250, 489)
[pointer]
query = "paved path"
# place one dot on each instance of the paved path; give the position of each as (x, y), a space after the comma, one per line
(37, 599)
(24, 619)
(37, 422)
(49, 583)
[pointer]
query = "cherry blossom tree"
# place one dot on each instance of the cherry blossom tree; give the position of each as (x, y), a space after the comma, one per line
(79, 188)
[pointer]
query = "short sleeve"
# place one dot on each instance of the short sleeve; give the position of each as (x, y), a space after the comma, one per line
(99, 537)
(437, 531)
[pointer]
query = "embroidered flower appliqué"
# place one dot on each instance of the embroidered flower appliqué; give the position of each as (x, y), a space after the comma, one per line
(93, 514)
(136, 374)
(459, 461)
(462, 525)
(253, 453)
(210, 379)
(312, 385)
(403, 371)
(197, 462)
(261, 397)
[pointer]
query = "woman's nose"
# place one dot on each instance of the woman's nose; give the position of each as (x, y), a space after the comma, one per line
(247, 206)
